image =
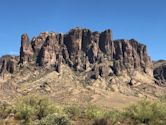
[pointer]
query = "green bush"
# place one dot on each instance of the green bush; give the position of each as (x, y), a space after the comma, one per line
(111, 117)
(93, 112)
(33, 108)
(5, 110)
(74, 112)
(148, 113)
(36, 110)
(163, 98)
(114, 116)
(25, 112)
(54, 119)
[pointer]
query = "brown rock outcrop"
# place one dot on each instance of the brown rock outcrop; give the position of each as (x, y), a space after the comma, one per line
(83, 49)
(49, 49)
(129, 54)
(26, 52)
(8, 65)
(37, 42)
(160, 72)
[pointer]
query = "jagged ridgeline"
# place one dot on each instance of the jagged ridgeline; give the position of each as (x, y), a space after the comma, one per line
(82, 50)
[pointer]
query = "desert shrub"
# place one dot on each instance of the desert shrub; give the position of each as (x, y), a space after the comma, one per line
(36, 110)
(114, 116)
(110, 117)
(163, 98)
(74, 112)
(33, 108)
(93, 112)
(24, 112)
(5, 110)
(44, 108)
(55, 119)
(151, 113)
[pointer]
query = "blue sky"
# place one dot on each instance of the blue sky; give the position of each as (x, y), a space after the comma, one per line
(143, 20)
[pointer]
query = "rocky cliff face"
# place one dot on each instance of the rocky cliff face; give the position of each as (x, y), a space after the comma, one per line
(82, 50)
(8, 64)
(160, 72)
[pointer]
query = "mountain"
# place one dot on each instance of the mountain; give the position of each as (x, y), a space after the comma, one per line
(81, 66)
(82, 49)
(61, 78)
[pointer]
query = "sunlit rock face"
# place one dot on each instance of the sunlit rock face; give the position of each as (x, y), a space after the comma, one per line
(26, 52)
(82, 50)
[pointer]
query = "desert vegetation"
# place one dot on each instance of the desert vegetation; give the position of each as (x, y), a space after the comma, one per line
(36, 110)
